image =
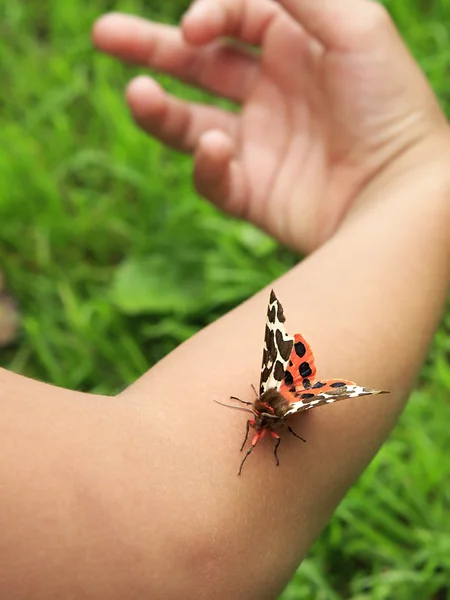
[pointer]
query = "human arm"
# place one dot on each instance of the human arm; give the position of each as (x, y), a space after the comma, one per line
(162, 510)
(368, 303)
(139, 494)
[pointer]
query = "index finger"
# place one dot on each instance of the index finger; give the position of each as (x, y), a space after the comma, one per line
(218, 68)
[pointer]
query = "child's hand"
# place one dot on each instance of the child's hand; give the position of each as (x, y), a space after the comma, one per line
(331, 101)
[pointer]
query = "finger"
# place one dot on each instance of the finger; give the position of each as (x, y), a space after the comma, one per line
(218, 175)
(174, 122)
(246, 20)
(340, 24)
(219, 68)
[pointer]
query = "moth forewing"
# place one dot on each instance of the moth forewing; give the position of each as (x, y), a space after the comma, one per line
(277, 347)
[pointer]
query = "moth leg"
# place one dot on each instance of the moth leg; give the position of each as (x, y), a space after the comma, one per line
(255, 440)
(250, 423)
(277, 443)
(239, 400)
(297, 436)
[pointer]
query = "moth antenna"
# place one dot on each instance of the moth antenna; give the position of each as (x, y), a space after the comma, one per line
(236, 407)
(254, 389)
(241, 401)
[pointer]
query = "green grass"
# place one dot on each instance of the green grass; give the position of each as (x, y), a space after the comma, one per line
(93, 213)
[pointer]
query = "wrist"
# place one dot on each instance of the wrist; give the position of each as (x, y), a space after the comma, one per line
(417, 182)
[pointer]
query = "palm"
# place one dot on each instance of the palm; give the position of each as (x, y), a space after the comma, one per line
(314, 125)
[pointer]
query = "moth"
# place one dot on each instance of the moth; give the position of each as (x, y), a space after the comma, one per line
(287, 385)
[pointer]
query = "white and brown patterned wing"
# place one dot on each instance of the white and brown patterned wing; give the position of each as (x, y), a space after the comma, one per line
(327, 392)
(277, 347)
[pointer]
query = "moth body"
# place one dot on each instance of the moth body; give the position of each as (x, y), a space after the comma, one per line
(288, 384)
(271, 408)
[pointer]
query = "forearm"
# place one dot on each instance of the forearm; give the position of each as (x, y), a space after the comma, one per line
(368, 302)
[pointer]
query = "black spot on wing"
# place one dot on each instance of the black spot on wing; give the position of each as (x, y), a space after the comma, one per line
(288, 379)
(270, 345)
(278, 371)
(318, 385)
(281, 316)
(263, 379)
(307, 396)
(291, 389)
(338, 384)
(284, 346)
(269, 355)
(306, 384)
(271, 314)
(300, 349)
(305, 370)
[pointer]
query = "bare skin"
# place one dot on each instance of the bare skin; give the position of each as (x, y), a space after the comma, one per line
(137, 496)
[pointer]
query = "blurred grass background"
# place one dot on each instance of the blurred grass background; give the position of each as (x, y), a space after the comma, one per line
(114, 261)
